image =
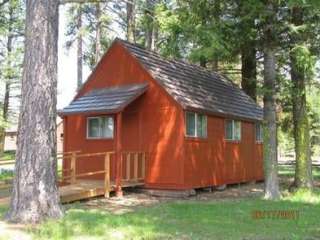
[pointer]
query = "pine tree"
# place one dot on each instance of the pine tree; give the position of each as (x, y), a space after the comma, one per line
(270, 119)
(35, 194)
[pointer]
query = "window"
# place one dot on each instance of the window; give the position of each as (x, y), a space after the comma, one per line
(196, 125)
(259, 132)
(233, 130)
(100, 127)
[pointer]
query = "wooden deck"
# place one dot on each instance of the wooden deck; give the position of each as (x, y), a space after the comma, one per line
(80, 187)
(83, 189)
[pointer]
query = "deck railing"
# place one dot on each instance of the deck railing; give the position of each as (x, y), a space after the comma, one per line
(73, 176)
(133, 163)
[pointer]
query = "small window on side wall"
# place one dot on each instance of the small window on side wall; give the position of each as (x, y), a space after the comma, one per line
(196, 125)
(259, 132)
(100, 127)
(233, 130)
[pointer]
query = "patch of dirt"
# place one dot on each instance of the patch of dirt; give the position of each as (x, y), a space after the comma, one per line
(134, 199)
(13, 231)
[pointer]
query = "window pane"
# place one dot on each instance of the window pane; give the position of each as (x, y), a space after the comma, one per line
(201, 125)
(258, 132)
(93, 126)
(191, 124)
(107, 127)
(229, 129)
(237, 130)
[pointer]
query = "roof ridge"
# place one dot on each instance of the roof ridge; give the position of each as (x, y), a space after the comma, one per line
(175, 60)
(189, 83)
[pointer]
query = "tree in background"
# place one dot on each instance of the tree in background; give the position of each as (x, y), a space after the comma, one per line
(269, 102)
(88, 28)
(11, 38)
(301, 64)
(131, 19)
(247, 31)
(35, 193)
(75, 32)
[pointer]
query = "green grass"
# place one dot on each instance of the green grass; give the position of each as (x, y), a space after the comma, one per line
(288, 171)
(8, 155)
(6, 175)
(231, 219)
(224, 219)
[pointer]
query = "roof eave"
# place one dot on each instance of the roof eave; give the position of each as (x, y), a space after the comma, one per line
(221, 114)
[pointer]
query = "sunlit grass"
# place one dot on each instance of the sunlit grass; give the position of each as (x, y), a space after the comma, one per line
(288, 171)
(188, 220)
(304, 196)
(224, 219)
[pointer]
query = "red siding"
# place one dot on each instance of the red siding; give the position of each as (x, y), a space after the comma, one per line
(154, 123)
(216, 161)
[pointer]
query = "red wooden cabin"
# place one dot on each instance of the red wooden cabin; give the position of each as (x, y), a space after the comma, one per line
(196, 127)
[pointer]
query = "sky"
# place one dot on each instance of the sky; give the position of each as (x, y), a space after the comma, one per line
(67, 66)
(67, 59)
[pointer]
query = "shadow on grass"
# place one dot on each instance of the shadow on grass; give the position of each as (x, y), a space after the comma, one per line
(190, 220)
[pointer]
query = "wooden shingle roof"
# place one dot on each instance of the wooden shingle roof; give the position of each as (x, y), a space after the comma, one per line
(196, 88)
(105, 100)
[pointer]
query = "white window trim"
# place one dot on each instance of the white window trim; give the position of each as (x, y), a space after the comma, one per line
(99, 117)
(196, 125)
(233, 131)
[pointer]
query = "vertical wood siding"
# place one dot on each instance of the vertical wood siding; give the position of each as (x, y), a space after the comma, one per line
(154, 123)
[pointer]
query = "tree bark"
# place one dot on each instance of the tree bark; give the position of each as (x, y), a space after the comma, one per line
(216, 16)
(270, 122)
(249, 69)
(303, 171)
(248, 51)
(155, 36)
(131, 21)
(152, 29)
(35, 194)
(149, 27)
(79, 48)
(98, 33)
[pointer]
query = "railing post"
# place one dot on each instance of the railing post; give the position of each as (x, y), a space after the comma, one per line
(118, 148)
(107, 175)
(135, 166)
(143, 167)
(73, 167)
(128, 167)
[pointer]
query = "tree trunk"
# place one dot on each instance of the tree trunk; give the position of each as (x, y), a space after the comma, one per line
(152, 29)
(216, 15)
(155, 36)
(35, 194)
(248, 51)
(303, 172)
(203, 61)
(149, 28)
(79, 47)
(131, 21)
(98, 33)
(249, 69)
(269, 100)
